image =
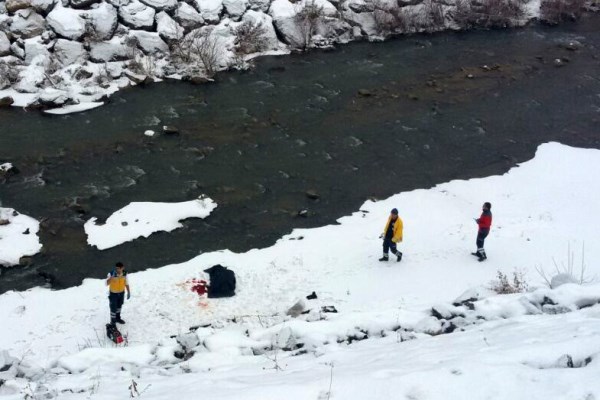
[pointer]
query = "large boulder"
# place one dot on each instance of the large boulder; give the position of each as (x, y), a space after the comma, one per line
(167, 28)
(17, 50)
(210, 10)
(103, 20)
(283, 13)
(149, 42)
(4, 44)
(82, 3)
(12, 6)
(111, 50)
(69, 52)
(66, 22)
(137, 15)
(235, 8)
(188, 17)
(260, 5)
(27, 24)
(43, 6)
(34, 48)
(161, 4)
(262, 19)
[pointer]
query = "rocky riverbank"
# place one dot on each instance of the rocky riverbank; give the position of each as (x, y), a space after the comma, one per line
(72, 54)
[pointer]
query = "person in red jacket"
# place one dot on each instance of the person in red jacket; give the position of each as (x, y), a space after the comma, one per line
(484, 222)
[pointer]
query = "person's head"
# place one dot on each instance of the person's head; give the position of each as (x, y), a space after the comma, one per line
(487, 205)
(394, 213)
(119, 267)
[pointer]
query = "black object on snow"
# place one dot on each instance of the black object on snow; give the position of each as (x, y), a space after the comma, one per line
(312, 296)
(222, 281)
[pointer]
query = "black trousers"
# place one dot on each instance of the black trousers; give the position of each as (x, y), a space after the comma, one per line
(389, 245)
(115, 302)
(481, 235)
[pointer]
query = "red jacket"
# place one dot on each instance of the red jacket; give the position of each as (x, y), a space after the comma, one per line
(485, 221)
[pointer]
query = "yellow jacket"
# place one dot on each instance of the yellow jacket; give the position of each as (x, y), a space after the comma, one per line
(398, 226)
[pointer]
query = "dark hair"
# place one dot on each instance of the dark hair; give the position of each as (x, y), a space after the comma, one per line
(395, 211)
(119, 264)
(488, 205)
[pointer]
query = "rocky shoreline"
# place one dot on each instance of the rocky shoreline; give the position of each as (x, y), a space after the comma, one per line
(73, 54)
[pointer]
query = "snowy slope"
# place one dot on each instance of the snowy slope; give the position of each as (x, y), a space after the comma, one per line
(540, 208)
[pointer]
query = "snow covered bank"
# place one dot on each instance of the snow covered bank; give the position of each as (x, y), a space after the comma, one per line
(18, 236)
(55, 54)
(532, 339)
(141, 219)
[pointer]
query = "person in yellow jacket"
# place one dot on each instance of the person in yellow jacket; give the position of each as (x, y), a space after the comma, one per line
(392, 234)
(117, 284)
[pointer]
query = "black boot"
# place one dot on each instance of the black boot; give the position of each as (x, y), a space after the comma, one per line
(119, 320)
(399, 256)
(482, 256)
(384, 258)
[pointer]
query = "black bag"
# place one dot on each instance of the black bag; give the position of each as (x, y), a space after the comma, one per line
(222, 281)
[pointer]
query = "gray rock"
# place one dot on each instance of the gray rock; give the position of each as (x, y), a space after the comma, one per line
(235, 8)
(161, 5)
(4, 45)
(562, 279)
(167, 28)
(137, 15)
(170, 130)
(43, 6)
(112, 50)
(210, 10)
(188, 17)
(103, 20)
(13, 6)
(296, 309)
(82, 3)
(66, 22)
(259, 5)
(69, 52)
(17, 50)
(27, 24)
(33, 48)
(149, 42)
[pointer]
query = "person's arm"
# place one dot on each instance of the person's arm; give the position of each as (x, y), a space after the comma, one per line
(127, 287)
(108, 278)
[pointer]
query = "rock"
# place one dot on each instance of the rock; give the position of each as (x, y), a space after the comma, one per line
(13, 6)
(303, 213)
(259, 5)
(26, 232)
(4, 222)
(360, 6)
(115, 70)
(136, 78)
(296, 309)
(4, 44)
(43, 6)
(34, 48)
(196, 79)
(27, 24)
(25, 261)
(112, 50)
(210, 10)
(50, 97)
(572, 45)
(558, 62)
(188, 340)
(69, 52)
(365, 92)
(235, 8)
(17, 50)
(103, 20)
(565, 361)
(312, 194)
(66, 22)
(6, 101)
(149, 133)
(167, 28)
(188, 17)
(170, 130)
(161, 4)
(149, 42)
(269, 36)
(119, 3)
(137, 15)
(562, 279)
(82, 3)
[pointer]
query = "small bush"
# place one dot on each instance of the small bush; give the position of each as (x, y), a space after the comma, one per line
(488, 13)
(249, 38)
(554, 12)
(502, 285)
(307, 20)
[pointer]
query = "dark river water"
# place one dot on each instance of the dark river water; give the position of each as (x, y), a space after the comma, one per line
(366, 120)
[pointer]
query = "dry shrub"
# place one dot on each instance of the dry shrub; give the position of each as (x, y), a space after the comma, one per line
(250, 38)
(488, 13)
(502, 285)
(554, 12)
(307, 19)
(200, 49)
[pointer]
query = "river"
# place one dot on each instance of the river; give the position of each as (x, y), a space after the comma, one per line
(366, 120)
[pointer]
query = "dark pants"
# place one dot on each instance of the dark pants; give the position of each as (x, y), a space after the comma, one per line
(389, 245)
(481, 235)
(115, 302)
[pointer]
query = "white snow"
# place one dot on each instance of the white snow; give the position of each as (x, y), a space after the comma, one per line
(74, 108)
(188, 17)
(141, 219)
(209, 9)
(137, 15)
(68, 52)
(14, 241)
(4, 45)
(104, 20)
(516, 346)
(167, 28)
